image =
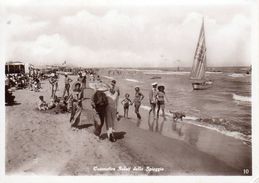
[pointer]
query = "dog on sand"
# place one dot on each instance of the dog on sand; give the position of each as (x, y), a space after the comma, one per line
(177, 115)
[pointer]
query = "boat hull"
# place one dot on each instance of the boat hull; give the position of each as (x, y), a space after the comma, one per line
(202, 86)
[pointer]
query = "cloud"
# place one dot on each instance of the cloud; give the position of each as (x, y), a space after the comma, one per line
(127, 37)
(23, 27)
(46, 49)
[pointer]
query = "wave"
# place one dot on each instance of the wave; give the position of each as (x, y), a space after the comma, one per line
(145, 107)
(241, 98)
(220, 129)
(108, 77)
(132, 80)
(165, 72)
(234, 134)
(217, 72)
(236, 75)
(160, 72)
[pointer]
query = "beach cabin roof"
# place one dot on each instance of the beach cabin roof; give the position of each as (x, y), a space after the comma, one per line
(14, 63)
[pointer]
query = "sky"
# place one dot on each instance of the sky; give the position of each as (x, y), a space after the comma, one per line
(126, 33)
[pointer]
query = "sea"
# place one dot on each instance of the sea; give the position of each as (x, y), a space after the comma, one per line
(225, 107)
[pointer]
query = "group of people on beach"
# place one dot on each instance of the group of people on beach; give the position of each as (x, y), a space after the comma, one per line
(157, 98)
(20, 81)
(62, 102)
(105, 101)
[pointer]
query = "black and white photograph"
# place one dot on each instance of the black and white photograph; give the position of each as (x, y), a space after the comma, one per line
(129, 88)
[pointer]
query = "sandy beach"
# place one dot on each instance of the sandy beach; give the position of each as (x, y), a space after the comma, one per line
(43, 143)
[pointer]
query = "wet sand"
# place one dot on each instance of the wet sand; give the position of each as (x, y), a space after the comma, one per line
(43, 143)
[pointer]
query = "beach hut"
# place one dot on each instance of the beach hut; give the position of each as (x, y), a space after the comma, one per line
(14, 67)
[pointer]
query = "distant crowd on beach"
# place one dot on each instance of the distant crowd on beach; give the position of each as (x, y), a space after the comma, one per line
(21, 81)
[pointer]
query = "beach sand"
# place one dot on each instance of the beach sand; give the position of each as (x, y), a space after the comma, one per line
(43, 143)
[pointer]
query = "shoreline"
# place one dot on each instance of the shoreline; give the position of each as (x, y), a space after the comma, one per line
(193, 121)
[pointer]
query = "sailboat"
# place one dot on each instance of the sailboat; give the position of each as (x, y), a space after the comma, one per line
(197, 75)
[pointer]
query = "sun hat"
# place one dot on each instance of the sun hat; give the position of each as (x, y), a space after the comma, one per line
(161, 86)
(101, 87)
(153, 84)
(76, 83)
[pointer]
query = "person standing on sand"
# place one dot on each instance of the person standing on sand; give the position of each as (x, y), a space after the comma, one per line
(126, 102)
(161, 97)
(53, 83)
(67, 85)
(114, 88)
(76, 98)
(82, 80)
(152, 99)
(99, 103)
(137, 101)
(56, 81)
(91, 77)
(111, 111)
(80, 77)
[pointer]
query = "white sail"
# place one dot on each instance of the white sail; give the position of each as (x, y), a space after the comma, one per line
(199, 63)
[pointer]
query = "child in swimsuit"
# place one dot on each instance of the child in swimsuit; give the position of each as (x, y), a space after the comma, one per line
(126, 102)
(137, 101)
(42, 105)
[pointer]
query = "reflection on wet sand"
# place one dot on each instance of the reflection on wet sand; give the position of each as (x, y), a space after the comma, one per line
(205, 140)
(154, 123)
(151, 125)
(177, 127)
(192, 137)
(161, 126)
(138, 122)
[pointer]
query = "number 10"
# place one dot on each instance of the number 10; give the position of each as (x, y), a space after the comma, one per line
(246, 171)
